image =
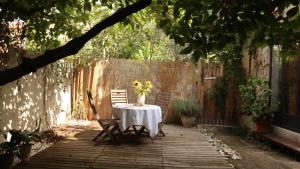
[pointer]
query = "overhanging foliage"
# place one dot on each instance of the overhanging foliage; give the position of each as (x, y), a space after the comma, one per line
(29, 65)
(205, 26)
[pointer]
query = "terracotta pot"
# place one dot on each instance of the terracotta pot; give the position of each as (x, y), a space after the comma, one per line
(188, 121)
(6, 161)
(262, 126)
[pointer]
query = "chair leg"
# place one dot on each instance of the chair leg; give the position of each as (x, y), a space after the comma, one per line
(119, 130)
(98, 135)
(109, 133)
(141, 130)
(127, 129)
(135, 130)
(162, 132)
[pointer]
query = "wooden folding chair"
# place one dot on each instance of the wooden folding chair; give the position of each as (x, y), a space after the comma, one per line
(109, 126)
(163, 100)
(118, 96)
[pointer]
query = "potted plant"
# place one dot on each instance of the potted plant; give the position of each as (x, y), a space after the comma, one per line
(7, 151)
(255, 102)
(19, 143)
(25, 142)
(188, 109)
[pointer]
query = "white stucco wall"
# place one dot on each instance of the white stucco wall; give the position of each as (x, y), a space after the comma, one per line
(29, 98)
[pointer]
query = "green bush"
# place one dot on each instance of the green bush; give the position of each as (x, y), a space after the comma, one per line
(255, 99)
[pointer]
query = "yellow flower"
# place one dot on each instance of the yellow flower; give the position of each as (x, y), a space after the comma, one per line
(141, 89)
(136, 83)
(149, 85)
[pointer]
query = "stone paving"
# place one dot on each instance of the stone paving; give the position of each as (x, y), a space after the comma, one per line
(245, 154)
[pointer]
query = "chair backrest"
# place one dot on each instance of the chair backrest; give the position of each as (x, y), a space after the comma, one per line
(92, 104)
(163, 100)
(118, 96)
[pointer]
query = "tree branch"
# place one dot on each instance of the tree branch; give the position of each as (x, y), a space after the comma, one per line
(72, 47)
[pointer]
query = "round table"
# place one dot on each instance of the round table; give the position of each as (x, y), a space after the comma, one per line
(147, 115)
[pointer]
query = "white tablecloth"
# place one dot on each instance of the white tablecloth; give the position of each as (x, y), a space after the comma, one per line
(148, 116)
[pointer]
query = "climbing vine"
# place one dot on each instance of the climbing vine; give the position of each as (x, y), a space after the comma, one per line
(233, 76)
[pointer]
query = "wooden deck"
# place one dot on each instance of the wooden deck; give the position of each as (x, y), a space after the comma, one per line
(183, 148)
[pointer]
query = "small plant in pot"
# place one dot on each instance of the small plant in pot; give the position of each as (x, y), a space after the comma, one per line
(25, 142)
(188, 109)
(7, 151)
(17, 142)
(255, 102)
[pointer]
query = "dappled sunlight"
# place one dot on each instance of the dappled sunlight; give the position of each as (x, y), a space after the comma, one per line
(21, 103)
(72, 138)
(181, 148)
(199, 53)
(30, 98)
(67, 140)
(58, 104)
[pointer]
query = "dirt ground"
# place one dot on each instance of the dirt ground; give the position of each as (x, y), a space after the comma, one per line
(58, 133)
(251, 154)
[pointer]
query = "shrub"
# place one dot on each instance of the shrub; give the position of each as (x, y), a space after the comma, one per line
(187, 107)
(255, 98)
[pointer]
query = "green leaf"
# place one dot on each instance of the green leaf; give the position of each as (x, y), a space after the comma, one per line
(295, 2)
(176, 9)
(292, 12)
(186, 50)
(87, 6)
(196, 55)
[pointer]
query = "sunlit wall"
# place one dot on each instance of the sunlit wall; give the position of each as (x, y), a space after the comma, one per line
(35, 97)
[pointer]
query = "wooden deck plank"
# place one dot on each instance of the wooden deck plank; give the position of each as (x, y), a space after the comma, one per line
(181, 148)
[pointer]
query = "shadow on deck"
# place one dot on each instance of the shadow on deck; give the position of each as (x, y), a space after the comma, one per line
(181, 148)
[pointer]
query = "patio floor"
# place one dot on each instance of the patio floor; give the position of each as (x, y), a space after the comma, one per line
(181, 148)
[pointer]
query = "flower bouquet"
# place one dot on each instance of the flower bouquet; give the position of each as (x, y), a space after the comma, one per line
(142, 90)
